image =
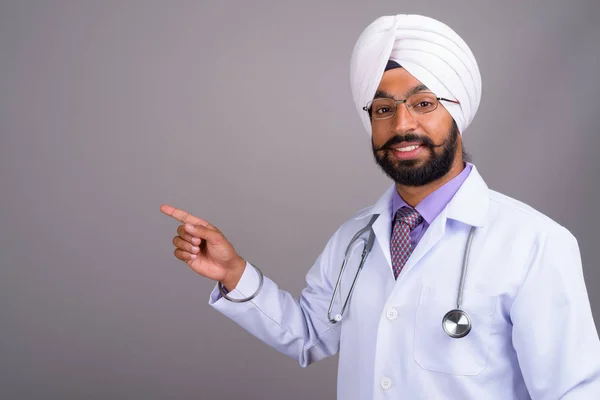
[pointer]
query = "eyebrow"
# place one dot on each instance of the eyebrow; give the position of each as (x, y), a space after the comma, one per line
(382, 94)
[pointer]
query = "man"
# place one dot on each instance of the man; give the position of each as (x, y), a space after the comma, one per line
(441, 237)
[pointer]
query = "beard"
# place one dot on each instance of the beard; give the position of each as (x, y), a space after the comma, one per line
(408, 172)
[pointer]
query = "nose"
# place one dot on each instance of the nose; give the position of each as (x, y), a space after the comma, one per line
(404, 121)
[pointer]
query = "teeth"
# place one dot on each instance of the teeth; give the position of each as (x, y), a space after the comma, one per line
(405, 149)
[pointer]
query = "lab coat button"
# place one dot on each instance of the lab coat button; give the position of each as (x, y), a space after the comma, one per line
(391, 314)
(386, 383)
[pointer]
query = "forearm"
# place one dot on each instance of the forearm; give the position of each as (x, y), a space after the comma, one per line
(281, 321)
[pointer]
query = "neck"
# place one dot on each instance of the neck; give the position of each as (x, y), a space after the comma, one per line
(413, 195)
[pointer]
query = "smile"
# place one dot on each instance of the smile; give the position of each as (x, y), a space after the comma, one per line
(408, 152)
(405, 149)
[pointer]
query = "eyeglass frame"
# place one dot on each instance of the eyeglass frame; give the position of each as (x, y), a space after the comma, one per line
(396, 102)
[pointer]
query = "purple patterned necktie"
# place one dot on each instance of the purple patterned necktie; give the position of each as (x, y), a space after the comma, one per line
(405, 221)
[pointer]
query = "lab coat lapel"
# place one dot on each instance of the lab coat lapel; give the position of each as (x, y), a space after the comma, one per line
(432, 236)
(382, 226)
(469, 205)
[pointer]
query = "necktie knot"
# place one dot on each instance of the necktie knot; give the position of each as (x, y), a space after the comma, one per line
(409, 216)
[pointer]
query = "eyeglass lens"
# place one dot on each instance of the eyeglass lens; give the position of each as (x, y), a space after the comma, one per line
(419, 103)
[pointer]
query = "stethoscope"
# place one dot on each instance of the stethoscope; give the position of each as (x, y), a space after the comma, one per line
(456, 323)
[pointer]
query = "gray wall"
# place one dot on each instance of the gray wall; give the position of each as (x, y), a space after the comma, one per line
(110, 108)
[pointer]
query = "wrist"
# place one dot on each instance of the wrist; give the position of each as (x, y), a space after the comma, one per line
(234, 275)
(235, 297)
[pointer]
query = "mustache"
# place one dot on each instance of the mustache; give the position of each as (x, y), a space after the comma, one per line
(410, 137)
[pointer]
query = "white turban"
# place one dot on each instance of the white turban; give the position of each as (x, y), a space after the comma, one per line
(429, 50)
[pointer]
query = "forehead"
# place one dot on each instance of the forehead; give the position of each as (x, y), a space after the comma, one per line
(398, 81)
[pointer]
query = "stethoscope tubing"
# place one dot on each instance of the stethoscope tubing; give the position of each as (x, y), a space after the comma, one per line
(463, 274)
(366, 250)
(456, 314)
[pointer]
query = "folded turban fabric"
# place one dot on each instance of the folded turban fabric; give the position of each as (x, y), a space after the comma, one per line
(429, 50)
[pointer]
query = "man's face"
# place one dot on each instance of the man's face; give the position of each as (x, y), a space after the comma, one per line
(435, 134)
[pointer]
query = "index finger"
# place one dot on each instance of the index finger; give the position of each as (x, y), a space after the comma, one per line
(183, 216)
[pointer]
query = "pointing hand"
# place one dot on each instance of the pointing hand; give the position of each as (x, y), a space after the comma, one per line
(204, 248)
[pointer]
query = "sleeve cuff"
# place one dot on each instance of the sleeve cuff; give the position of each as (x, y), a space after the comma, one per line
(245, 288)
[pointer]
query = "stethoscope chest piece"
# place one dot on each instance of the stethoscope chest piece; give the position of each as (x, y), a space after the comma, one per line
(456, 323)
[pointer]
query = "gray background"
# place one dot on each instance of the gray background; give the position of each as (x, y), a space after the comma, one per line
(241, 113)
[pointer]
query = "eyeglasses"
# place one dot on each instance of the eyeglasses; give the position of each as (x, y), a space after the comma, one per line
(416, 104)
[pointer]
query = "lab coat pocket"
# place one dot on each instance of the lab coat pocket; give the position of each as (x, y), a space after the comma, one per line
(435, 350)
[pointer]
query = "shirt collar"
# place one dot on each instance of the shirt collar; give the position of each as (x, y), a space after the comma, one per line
(431, 206)
(469, 205)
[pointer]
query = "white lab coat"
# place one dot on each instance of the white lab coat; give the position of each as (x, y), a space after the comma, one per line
(533, 333)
